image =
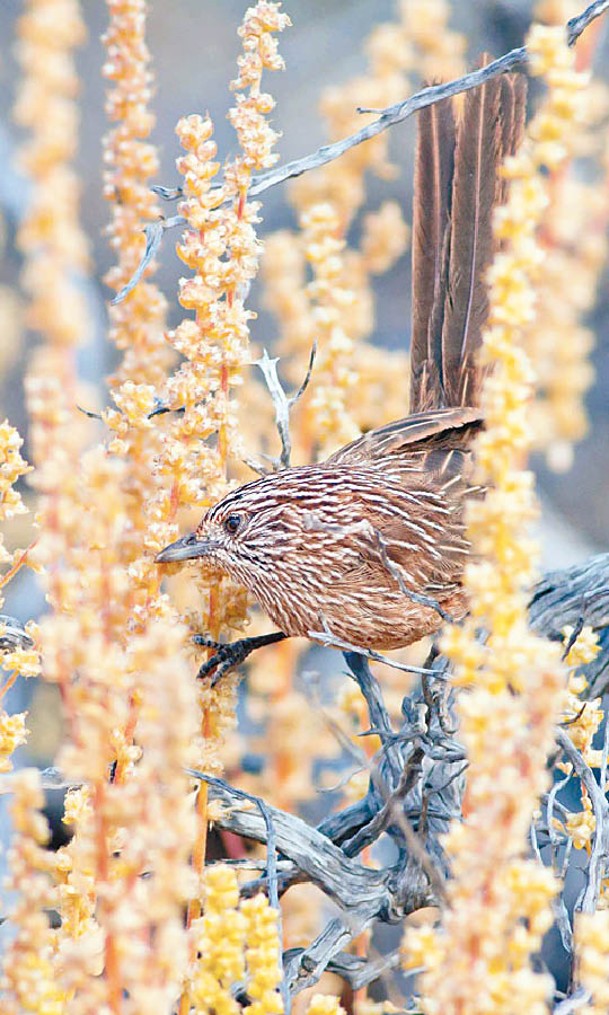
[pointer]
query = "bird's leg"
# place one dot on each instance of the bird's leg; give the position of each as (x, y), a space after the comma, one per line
(228, 655)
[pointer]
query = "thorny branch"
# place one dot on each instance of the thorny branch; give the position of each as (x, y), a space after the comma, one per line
(330, 640)
(397, 113)
(599, 855)
(415, 788)
(414, 793)
(400, 111)
(283, 405)
(154, 232)
(404, 765)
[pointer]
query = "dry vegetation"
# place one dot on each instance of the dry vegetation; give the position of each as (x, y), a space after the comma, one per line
(450, 807)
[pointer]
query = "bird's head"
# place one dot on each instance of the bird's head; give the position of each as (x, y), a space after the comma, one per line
(240, 536)
(216, 542)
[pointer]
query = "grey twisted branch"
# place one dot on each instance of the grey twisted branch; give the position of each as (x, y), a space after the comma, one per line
(413, 804)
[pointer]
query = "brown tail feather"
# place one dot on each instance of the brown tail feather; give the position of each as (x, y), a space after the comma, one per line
(449, 316)
(477, 157)
(433, 174)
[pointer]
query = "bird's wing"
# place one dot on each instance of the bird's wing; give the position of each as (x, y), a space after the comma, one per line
(418, 527)
(418, 434)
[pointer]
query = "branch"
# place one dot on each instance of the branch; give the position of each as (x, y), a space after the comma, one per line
(358, 971)
(599, 854)
(388, 117)
(570, 597)
(282, 403)
(13, 634)
(400, 111)
(154, 234)
(356, 889)
(576, 25)
(573, 1003)
(330, 640)
(303, 968)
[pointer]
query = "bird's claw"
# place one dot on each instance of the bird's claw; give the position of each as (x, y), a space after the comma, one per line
(228, 655)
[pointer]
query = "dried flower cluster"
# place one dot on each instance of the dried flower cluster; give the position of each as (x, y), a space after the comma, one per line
(499, 910)
(319, 287)
(136, 324)
(336, 308)
(592, 947)
(238, 943)
(117, 645)
(26, 966)
(20, 661)
(111, 626)
(221, 248)
(50, 234)
(575, 247)
(120, 827)
(29, 982)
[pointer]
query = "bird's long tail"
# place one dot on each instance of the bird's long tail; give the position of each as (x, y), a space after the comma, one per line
(457, 184)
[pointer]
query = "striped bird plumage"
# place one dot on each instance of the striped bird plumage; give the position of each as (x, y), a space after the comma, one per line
(338, 546)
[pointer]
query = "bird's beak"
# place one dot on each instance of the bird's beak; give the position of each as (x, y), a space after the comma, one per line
(186, 548)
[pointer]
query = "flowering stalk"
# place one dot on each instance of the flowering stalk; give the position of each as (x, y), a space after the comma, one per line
(330, 422)
(237, 942)
(591, 941)
(499, 902)
(120, 934)
(221, 248)
(54, 252)
(21, 660)
(28, 982)
(575, 245)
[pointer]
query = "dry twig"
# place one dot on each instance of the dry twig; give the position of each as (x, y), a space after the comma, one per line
(400, 111)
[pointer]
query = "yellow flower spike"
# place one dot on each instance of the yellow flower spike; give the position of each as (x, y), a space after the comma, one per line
(515, 681)
(54, 257)
(103, 628)
(263, 953)
(584, 649)
(28, 981)
(221, 249)
(324, 1004)
(577, 207)
(591, 940)
(221, 890)
(13, 733)
(581, 825)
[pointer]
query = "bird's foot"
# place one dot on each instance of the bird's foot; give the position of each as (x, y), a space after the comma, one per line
(228, 655)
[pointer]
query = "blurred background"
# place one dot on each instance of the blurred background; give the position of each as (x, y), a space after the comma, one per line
(194, 46)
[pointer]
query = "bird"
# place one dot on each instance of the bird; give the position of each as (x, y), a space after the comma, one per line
(369, 546)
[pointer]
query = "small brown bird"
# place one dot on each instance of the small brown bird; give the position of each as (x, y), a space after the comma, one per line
(369, 545)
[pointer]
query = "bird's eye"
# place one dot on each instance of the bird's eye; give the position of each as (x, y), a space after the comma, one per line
(232, 524)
